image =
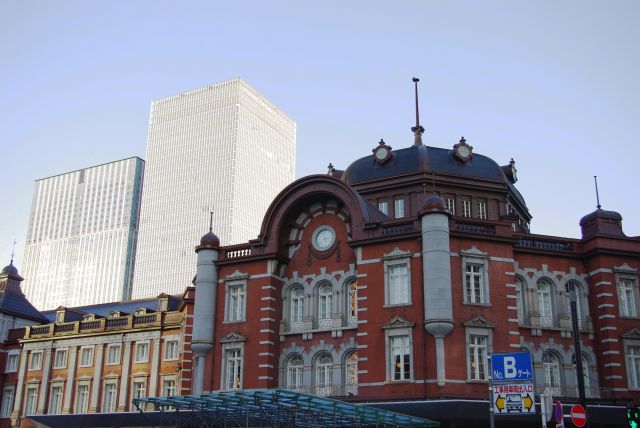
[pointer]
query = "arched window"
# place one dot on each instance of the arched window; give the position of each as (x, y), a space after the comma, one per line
(352, 303)
(551, 366)
(545, 306)
(294, 369)
(581, 303)
(297, 307)
(585, 376)
(324, 374)
(520, 300)
(325, 294)
(351, 374)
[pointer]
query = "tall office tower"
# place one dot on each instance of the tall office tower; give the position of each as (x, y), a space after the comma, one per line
(223, 148)
(82, 235)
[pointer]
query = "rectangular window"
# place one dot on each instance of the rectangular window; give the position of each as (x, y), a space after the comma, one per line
(627, 297)
(82, 398)
(482, 210)
(474, 287)
(139, 389)
(169, 387)
(466, 208)
(451, 205)
(113, 354)
(400, 357)
(55, 400)
(8, 395)
(31, 401)
(233, 369)
(12, 363)
(399, 208)
(398, 284)
(235, 302)
(633, 366)
(142, 352)
(171, 350)
(109, 399)
(60, 359)
(477, 357)
(384, 207)
(35, 360)
(86, 357)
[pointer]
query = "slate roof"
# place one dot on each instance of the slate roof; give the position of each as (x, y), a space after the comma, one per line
(19, 306)
(127, 307)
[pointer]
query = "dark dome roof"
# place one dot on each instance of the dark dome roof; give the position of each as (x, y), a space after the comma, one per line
(417, 159)
(600, 214)
(210, 240)
(433, 204)
(10, 270)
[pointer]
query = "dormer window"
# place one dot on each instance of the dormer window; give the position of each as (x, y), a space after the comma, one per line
(114, 314)
(163, 304)
(89, 317)
(60, 316)
(140, 311)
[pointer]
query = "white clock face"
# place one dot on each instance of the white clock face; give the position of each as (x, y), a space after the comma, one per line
(324, 237)
(463, 151)
(382, 153)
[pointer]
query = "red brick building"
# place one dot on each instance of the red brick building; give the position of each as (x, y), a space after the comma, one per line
(391, 281)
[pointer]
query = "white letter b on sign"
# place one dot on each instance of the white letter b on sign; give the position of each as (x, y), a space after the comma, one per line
(509, 367)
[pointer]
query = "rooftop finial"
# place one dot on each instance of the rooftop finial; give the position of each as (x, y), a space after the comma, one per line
(211, 222)
(418, 129)
(433, 183)
(13, 251)
(595, 179)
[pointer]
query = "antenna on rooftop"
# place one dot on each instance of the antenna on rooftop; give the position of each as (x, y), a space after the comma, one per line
(211, 222)
(418, 129)
(595, 179)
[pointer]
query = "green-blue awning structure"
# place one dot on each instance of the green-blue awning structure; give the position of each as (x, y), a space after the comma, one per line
(273, 408)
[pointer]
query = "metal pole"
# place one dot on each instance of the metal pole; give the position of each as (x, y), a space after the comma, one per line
(578, 350)
(490, 378)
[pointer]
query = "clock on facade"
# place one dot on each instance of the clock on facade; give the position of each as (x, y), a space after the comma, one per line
(382, 153)
(462, 150)
(323, 238)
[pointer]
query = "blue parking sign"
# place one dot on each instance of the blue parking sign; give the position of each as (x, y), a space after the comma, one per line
(512, 366)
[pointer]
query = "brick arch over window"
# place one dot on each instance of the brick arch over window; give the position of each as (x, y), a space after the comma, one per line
(301, 194)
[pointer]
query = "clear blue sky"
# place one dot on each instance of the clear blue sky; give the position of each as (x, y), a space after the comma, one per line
(553, 84)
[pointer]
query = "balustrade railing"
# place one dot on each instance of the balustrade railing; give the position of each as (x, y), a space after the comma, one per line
(328, 390)
(395, 229)
(484, 229)
(546, 244)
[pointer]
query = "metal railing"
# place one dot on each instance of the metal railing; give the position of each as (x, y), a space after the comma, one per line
(328, 390)
(480, 228)
(547, 244)
(556, 321)
(572, 391)
(395, 229)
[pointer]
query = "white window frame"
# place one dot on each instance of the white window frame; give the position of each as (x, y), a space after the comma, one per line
(8, 399)
(383, 206)
(117, 354)
(466, 208)
(138, 387)
(520, 293)
(232, 362)
(82, 398)
(55, 399)
(175, 354)
(396, 259)
(351, 304)
(294, 374)
(632, 360)
(477, 353)
(32, 363)
(13, 361)
(482, 209)
(324, 304)
(296, 307)
(545, 309)
(235, 291)
(551, 370)
(628, 298)
(398, 208)
(323, 374)
(169, 384)
(389, 334)
(86, 350)
(60, 357)
(351, 373)
(451, 204)
(109, 406)
(31, 400)
(141, 354)
(472, 259)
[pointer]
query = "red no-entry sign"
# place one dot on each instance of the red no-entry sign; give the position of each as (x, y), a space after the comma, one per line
(578, 415)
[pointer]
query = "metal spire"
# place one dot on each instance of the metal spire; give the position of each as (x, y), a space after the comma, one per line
(211, 222)
(13, 251)
(595, 179)
(418, 129)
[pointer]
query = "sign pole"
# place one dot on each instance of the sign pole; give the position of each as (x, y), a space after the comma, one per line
(491, 403)
(543, 409)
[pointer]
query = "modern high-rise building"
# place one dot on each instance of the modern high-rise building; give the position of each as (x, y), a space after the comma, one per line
(82, 235)
(223, 148)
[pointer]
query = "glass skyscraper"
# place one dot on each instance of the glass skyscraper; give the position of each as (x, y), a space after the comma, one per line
(223, 148)
(81, 240)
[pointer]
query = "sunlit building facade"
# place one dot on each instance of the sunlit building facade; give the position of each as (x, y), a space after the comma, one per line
(81, 241)
(223, 148)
